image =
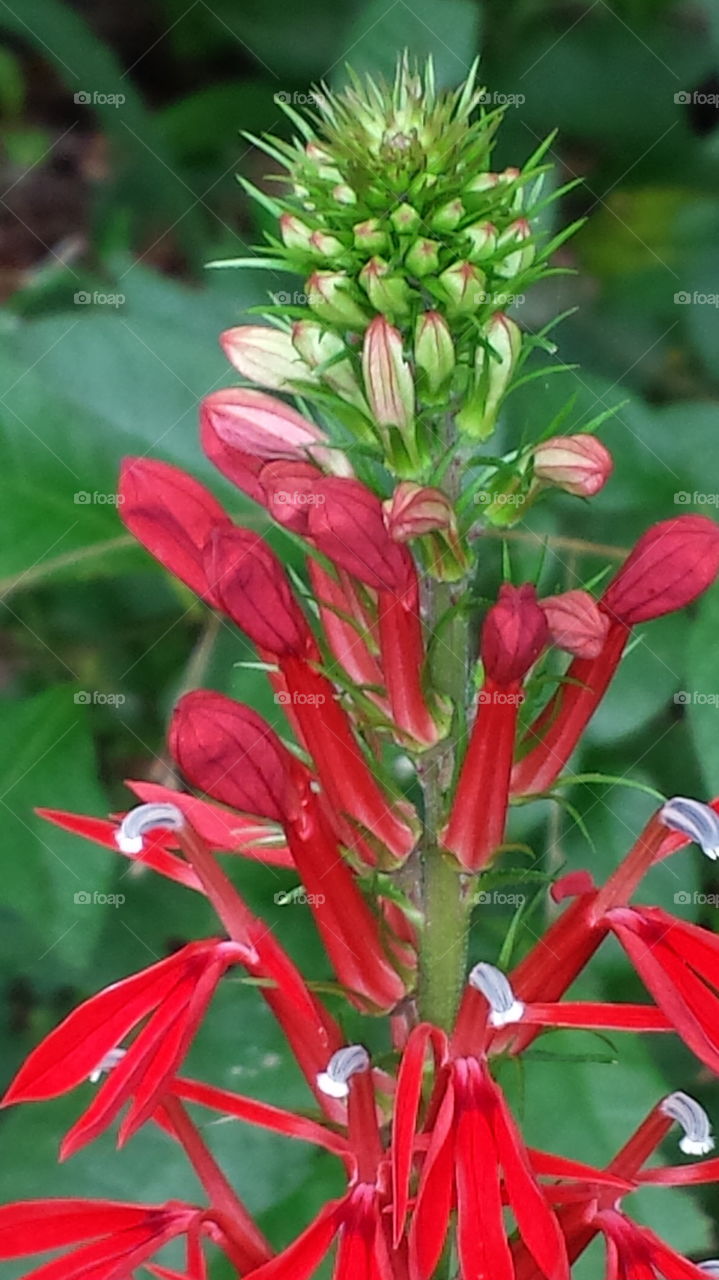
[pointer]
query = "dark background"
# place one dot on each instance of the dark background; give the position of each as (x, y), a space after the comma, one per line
(109, 211)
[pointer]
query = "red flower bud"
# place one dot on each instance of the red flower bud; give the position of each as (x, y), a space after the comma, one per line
(172, 516)
(349, 528)
(576, 623)
(672, 563)
(578, 464)
(290, 490)
(259, 425)
(228, 751)
(252, 589)
(514, 633)
(414, 510)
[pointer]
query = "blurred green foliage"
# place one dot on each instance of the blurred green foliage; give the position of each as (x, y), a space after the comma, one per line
(95, 642)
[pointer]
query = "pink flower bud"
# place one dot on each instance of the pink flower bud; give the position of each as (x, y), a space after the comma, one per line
(671, 564)
(331, 297)
(325, 245)
(252, 588)
(578, 464)
(576, 623)
(422, 258)
(259, 425)
(464, 288)
(317, 347)
(517, 258)
(483, 237)
(514, 633)
(387, 376)
(369, 237)
(265, 356)
(414, 510)
(448, 216)
(405, 219)
(433, 351)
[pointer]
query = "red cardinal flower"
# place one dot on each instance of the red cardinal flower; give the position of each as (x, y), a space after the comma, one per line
(679, 965)
(672, 563)
(172, 995)
(254, 591)
(348, 526)
(514, 634)
(172, 515)
(230, 752)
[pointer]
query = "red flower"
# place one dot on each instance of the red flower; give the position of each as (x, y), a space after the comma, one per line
(679, 965)
(173, 995)
(514, 634)
(230, 752)
(672, 564)
(634, 1251)
(254, 591)
(172, 515)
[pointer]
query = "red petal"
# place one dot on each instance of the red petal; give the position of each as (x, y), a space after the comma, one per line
(220, 828)
(262, 1114)
(300, 1260)
(481, 1235)
(434, 1201)
(73, 1050)
(31, 1226)
(252, 588)
(153, 855)
(612, 1017)
(406, 1111)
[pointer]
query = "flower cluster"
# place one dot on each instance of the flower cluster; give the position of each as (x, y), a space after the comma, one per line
(402, 228)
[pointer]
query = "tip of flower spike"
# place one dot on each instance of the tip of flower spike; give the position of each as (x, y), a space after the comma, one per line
(697, 1139)
(497, 991)
(345, 1063)
(695, 820)
(139, 822)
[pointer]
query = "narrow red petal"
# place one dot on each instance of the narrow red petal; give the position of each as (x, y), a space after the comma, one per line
(406, 1111)
(262, 1114)
(300, 1260)
(481, 1234)
(430, 1222)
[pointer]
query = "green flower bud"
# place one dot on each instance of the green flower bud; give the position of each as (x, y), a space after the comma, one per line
(448, 216)
(369, 236)
(483, 236)
(295, 234)
(388, 294)
(330, 296)
(521, 258)
(464, 288)
(325, 245)
(344, 194)
(422, 259)
(405, 219)
(493, 371)
(317, 346)
(433, 354)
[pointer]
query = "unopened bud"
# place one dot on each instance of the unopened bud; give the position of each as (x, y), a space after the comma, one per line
(325, 245)
(422, 258)
(577, 464)
(493, 371)
(464, 288)
(697, 1139)
(405, 219)
(331, 297)
(448, 216)
(483, 236)
(497, 991)
(344, 194)
(369, 237)
(318, 347)
(671, 564)
(433, 352)
(576, 623)
(518, 256)
(295, 234)
(387, 376)
(415, 509)
(265, 356)
(699, 822)
(388, 294)
(513, 635)
(345, 1063)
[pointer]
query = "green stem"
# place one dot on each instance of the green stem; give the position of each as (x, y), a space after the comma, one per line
(447, 899)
